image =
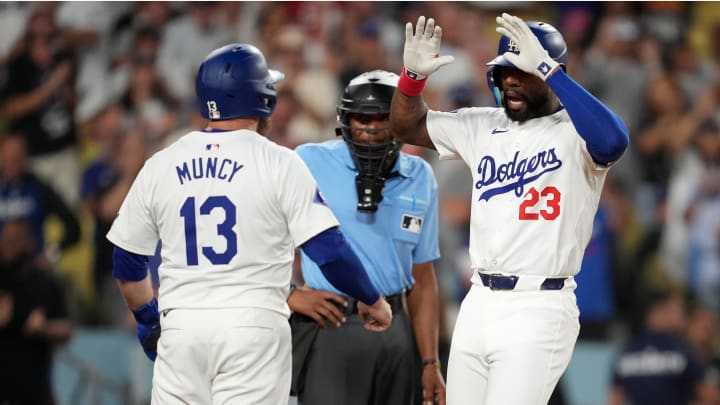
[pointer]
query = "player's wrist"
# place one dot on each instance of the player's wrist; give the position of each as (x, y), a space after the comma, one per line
(431, 363)
(410, 83)
(147, 314)
(292, 290)
(546, 68)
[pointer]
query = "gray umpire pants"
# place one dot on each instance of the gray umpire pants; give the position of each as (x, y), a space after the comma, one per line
(350, 365)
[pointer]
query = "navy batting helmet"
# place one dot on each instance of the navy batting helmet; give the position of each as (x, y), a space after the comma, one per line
(550, 38)
(233, 81)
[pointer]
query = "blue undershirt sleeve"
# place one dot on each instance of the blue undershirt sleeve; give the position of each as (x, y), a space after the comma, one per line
(603, 130)
(340, 265)
(128, 266)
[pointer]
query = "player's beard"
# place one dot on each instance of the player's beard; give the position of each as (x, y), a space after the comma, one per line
(264, 125)
(533, 106)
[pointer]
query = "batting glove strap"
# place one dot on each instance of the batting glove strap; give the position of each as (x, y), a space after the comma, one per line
(532, 58)
(409, 84)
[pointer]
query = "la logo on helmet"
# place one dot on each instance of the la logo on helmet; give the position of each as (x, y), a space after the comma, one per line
(512, 47)
(213, 112)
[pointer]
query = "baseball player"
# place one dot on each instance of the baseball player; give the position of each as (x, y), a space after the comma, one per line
(538, 162)
(229, 206)
(387, 203)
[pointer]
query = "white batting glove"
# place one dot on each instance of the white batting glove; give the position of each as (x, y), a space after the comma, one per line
(533, 58)
(421, 49)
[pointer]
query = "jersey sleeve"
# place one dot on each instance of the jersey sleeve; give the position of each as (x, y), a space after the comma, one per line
(134, 228)
(452, 132)
(427, 248)
(304, 207)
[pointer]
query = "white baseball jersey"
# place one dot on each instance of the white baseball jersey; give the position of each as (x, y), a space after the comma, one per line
(535, 189)
(230, 208)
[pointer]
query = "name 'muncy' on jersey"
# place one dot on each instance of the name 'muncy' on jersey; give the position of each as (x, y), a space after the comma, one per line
(230, 208)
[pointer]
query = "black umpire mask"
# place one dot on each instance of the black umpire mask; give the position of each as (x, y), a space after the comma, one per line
(374, 152)
(363, 118)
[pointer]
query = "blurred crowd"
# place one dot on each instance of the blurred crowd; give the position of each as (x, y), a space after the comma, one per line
(89, 90)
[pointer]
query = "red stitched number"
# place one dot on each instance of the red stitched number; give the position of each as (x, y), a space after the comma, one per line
(550, 195)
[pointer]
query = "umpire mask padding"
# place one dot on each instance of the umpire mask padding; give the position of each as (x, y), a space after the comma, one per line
(369, 94)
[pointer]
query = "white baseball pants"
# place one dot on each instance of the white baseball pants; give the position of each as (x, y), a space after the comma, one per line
(223, 356)
(511, 347)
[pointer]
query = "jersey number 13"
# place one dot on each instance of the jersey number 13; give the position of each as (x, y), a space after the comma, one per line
(224, 229)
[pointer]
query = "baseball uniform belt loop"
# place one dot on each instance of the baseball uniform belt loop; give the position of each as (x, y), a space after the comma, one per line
(396, 304)
(497, 281)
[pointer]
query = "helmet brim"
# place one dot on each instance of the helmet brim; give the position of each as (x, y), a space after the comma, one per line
(499, 61)
(275, 75)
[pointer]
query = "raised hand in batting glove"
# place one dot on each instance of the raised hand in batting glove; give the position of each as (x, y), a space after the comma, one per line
(148, 327)
(533, 58)
(420, 56)
(376, 317)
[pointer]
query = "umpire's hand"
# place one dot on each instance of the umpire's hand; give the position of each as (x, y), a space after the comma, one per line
(321, 306)
(376, 317)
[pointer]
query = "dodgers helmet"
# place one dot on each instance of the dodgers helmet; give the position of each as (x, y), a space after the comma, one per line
(551, 40)
(233, 81)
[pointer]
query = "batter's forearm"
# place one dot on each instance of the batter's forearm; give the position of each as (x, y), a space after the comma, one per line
(136, 293)
(407, 120)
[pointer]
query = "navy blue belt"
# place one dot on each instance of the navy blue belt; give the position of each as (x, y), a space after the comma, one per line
(501, 282)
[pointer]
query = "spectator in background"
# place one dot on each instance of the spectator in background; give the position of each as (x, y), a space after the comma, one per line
(704, 240)
(185, 43)
(702, 333)
(594, 292)
(660, 367)
(148, 101)
(33, 320)
(105, 184)
(26, 197)
(39, 101)
(616, 68)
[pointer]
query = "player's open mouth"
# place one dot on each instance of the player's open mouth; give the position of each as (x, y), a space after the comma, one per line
(515, 102)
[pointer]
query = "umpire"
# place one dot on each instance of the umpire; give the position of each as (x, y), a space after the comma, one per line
(386, 202)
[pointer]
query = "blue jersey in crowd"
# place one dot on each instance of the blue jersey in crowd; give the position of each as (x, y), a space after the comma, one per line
(658, 369)
(401, 233)
(594, 282)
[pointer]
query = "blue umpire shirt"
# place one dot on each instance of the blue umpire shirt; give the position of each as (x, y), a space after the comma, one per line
(402, 232)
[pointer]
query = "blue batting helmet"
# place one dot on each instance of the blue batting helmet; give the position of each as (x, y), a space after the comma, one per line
(550, 38)
(233, 81)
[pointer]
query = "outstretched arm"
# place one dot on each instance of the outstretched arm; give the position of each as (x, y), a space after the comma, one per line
(407, 120)
(344, 270)
(420, 57)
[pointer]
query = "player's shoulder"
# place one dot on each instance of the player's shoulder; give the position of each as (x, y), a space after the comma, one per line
(314, 150)
(473, 112)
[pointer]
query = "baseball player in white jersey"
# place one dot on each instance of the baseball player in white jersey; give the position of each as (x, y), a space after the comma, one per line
(539, 162)
(230, 206)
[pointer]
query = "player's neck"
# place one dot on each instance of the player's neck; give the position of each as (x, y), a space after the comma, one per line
(234, 124)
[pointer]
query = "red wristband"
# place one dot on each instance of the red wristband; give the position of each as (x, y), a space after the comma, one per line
(409, 86)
